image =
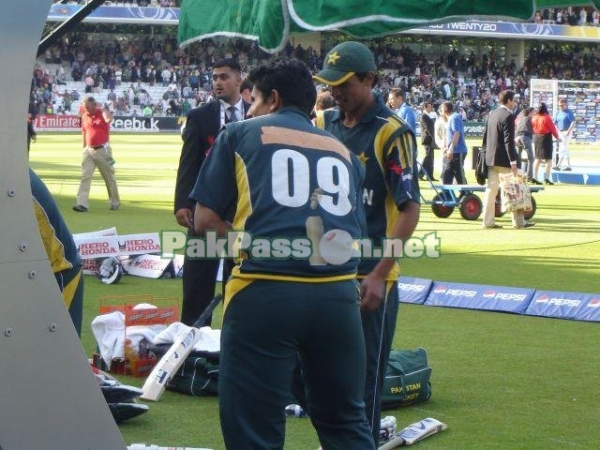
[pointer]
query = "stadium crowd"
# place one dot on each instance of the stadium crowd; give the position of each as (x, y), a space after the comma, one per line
(149, 75)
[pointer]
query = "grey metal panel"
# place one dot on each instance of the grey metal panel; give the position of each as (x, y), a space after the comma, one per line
(49, 398)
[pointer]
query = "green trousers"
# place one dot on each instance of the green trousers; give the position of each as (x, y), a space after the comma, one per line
(379, 327)
(266, 326)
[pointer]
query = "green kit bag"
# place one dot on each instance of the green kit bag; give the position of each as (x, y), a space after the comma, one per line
(197, 376)
(407, 381)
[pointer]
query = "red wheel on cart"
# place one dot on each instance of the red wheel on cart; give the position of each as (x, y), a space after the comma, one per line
(470, 207)
(529, 214)
(439, 209)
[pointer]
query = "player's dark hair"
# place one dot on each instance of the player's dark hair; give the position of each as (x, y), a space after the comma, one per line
(362, 75)
(291, 78)
(397, 92)
(506, 96)
(448, 107)
(228, 62)
(542, 109)
(246, 84)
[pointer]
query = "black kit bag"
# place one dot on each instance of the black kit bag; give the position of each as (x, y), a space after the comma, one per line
(481, 169)
(407, 381)
(197, 376)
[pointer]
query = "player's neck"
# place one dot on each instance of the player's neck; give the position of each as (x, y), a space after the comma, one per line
(234, 101)
(354, 116)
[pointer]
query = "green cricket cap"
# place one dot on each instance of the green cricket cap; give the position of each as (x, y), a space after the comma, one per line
(343, 61)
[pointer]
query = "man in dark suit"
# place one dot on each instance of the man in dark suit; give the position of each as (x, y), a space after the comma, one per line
(500, 157)
(201, 129)
(428, 142)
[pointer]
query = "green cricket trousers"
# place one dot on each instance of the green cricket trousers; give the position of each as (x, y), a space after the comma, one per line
(267, 324)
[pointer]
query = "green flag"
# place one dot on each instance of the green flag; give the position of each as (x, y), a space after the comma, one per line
(269, 22)
(259, 20)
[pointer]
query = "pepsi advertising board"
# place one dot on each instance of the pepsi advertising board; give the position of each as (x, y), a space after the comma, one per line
(413, 290)
(565, 305)
(483, 297)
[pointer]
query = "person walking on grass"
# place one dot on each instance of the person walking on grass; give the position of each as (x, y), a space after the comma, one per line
(97, 152)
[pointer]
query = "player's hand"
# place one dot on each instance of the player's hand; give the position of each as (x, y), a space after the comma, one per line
(514, 169)
(372, 292)
(184, 218)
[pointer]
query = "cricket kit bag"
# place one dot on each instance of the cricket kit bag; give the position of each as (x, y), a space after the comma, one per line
(198, 375)
(407, 381)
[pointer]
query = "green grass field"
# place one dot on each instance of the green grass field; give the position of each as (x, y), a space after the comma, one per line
(500, 381)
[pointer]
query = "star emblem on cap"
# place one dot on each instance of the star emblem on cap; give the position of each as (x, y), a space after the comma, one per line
(332, 59)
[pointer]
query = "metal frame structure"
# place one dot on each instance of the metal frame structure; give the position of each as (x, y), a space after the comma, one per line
(48, 395)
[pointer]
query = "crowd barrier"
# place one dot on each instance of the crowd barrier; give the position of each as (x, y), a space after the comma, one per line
(532, 302)
(126, 124)
(72, 122)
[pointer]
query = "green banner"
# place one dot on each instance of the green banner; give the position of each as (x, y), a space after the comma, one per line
(270, 22)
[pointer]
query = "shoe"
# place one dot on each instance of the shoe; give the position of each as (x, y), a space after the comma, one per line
(114, 208)
(527, 225)
(548, 182)
(422, 177)
(567, 169)
(434, 179)
(80, 208)
(533, 181)
(556, 168)
(493, 226)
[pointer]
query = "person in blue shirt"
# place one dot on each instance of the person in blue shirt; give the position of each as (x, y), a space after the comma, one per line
(456, 149)
(396, 102)
(564, 120)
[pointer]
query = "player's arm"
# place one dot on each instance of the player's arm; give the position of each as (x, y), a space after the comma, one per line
(401, 180)
(190, 161)
(215, 191)
(372, 287)
(508, 135)
(572, 126)
(207, 219)
(107, 115)
(454, 141)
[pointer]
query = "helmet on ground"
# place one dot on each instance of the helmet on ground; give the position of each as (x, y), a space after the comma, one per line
(110, 271)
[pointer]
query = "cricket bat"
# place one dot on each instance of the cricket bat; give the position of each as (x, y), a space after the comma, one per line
(172, 360)
(415, 433)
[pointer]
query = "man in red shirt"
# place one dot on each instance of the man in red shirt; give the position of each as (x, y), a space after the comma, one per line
(97, 152)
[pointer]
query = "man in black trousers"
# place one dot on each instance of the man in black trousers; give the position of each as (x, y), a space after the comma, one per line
(428, 142)
(201, 129)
